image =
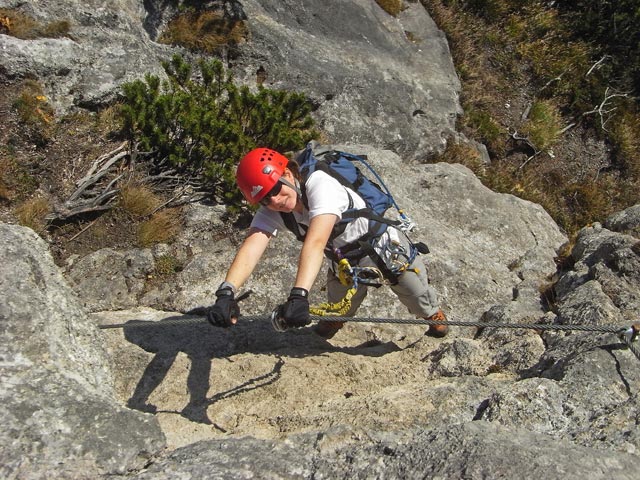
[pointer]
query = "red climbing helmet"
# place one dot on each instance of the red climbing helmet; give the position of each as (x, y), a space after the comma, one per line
(258, 171)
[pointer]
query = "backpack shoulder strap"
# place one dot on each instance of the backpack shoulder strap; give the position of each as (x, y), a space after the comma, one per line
(291, 224)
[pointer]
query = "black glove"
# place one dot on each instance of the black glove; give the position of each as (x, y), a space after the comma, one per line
(225, 307)
(294, 313)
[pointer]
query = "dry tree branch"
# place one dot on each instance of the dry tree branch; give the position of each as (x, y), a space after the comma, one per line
(596, 65)
(97, 189)
(528, 142)
(602, 110)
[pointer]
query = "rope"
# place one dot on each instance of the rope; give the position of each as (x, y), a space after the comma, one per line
(167, 322)
(331, 309)
(347, 278)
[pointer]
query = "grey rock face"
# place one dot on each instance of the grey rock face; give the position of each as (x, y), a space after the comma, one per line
(612, 261)
(376, 401)
(60, 418)
(361, 67)
(111, 280)
(626, 221)
(472, 450)
(595, 380)
(376, 79)
(575, 394)
(106, 47)
(42, 317)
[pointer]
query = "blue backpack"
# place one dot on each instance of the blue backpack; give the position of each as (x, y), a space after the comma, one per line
(342, 167)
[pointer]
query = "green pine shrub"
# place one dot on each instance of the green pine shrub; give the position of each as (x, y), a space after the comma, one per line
(202, 126)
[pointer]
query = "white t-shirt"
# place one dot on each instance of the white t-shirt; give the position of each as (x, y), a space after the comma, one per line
(325, 195)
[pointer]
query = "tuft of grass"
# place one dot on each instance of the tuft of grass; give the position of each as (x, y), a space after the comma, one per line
(543, 125)
(167, 265)
(625, 136)
(486, 128)
(17, 182)
(32, 213)
(462, 153)
(392, 7)
(19, 25)
(35, 112)
(109, 120)
(205, 31)
(592, 201)
(162, 227)
(138, 200)
(5, 184)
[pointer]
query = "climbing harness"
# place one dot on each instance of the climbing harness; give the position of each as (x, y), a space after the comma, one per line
(350, 277)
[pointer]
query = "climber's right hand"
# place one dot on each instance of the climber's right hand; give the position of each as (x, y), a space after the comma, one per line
(225, 311)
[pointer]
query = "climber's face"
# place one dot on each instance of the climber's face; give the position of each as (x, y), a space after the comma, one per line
(281, 198)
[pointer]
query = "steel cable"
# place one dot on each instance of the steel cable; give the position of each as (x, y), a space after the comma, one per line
(191, 320)
(628, 336)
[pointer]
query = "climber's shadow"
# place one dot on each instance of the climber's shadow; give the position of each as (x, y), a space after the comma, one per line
(201, 343)
(165, 340)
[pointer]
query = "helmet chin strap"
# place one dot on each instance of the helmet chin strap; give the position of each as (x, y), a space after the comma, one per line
(295, 187)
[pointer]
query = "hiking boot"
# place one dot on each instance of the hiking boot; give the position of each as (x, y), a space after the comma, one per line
(437, 331)
(327, 329)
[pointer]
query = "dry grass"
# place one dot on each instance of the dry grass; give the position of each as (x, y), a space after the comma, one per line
(16, 181)
(5, 186)
(32, 213)
(520, 53)
(162, 227)
(392, 7)
(543, 125)
(626, 138)
(138, 200)
(18, 25)
(472, 46)
(463, 154)
(35, 112)
(206, 31)
(166, 265)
